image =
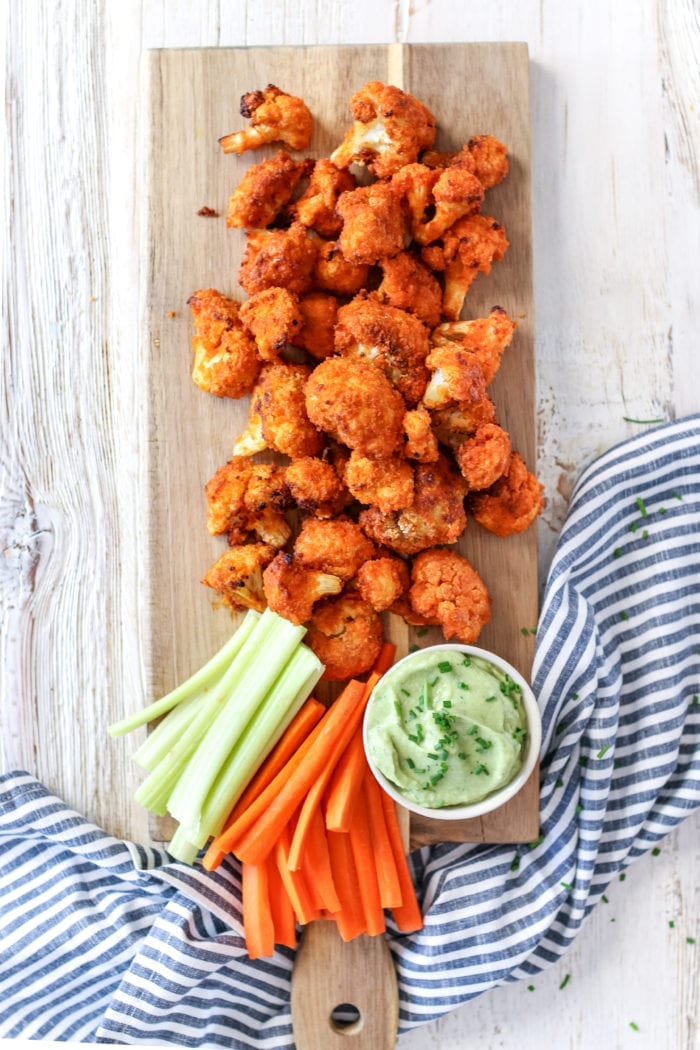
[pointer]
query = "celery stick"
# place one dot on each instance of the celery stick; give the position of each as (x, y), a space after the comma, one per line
(162, 781)
(273, 642)
(281, 704)
(202, 678)
(166, 733)
(180, 848)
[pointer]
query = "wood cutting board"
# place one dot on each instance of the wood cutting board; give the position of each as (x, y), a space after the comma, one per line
(193, 98)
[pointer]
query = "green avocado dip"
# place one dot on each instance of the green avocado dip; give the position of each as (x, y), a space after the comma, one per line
(447, 728)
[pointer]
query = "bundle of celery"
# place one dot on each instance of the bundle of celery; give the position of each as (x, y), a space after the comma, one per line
(220, 725)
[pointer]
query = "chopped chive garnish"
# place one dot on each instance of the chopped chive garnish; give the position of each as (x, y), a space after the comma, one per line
(481, 768)
(565, 981)
(624, 616)
(444, 666)
(516, 862)
(489, 699)
(463, 685)
(473, 731)
(530, 987)
(559, 782)
(398, 708)
(462, 755)
(676, 495)
(405, 692)
(603, 751)
(421, 632)
(538, 840)
(561, 726)
(467, 661)
(690, 940)
(605, 899)
(447, 703)
(483, 745)
(634, 1027)
(617, 552)
(567, 885)
(410, 763)
(631, 419)
(413, 648)
(655, 852)
(641, 507)
(671, 924)
(431, 754)
(622, 877)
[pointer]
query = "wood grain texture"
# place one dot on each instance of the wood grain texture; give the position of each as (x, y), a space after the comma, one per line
(616, 219)
(192, 433)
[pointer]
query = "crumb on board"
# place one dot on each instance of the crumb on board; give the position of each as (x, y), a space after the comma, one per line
(208, 213)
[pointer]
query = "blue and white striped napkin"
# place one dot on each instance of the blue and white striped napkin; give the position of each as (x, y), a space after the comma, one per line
(105, 940)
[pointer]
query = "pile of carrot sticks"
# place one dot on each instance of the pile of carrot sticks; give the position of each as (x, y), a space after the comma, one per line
(316, 835)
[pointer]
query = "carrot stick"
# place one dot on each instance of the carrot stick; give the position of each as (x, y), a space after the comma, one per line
(363, 854)
(281, 910)
(294, 735)
(257, 920)
(350, 918)
(245, 820)
(407, 916)
(316, 791)
(294, 882)
(344, 786)
(316, 864)
(337, 727)
(387, 655)
(387, 875)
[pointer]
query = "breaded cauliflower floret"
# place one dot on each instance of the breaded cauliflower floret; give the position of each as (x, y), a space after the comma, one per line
(355, 404)
(421, 440)
(347, 635)
(393, 339)
(447, 589)
(273, 317)
(485, 338)
(316, 206)
(483, 156)
(408, 284)
(274, 116)
(244, 497)
(319, 311)
(278, 414)
(374, 227)
(292, 589)
(391, 128)
(512, 504)
(468, 248)
(455, 424)
(455, 378)
(315, 487)
(383, 581)
(237, 576)
(386, 483)
(436, 515)
(436, 199)
(334, 273)
(264, 190)
(226, 361)
(278, 258)
(484, 458)
(337, 546)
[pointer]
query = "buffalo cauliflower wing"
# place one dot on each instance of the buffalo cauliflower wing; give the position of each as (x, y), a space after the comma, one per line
(334, 273)
(274, 318)
(436, 515)
(455, 378)
(385, 482)
(347, 635)
(264, 190)
(245, 497)
(394, 340)
(274, 116)
(407, 284)
(337, 546)
(447, 590)
(374, 227)
(226, 361)
(485, 338)
(435, 200)
(278, 258)
(355, 403)
(383, 581)
(319, 311)
(315, 487)
(390, 129)
(421, 439)
(467, 249)
(484, 457)
(238, 576)
(292, 589)
(483, 156)
(316, 207)
(512, 504)
(277, 418)
(452, 426)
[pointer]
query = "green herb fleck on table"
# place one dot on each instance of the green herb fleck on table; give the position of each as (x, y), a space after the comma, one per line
(603, 751)
(634, 1027)
(565, 981)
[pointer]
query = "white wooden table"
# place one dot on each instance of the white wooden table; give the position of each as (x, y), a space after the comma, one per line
(615, 94)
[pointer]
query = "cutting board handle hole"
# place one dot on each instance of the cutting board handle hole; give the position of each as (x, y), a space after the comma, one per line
(346, 1019)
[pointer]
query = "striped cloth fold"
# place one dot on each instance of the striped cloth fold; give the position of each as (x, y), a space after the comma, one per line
(109, 941)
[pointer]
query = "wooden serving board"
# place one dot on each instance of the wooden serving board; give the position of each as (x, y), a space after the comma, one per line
(193, 101)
